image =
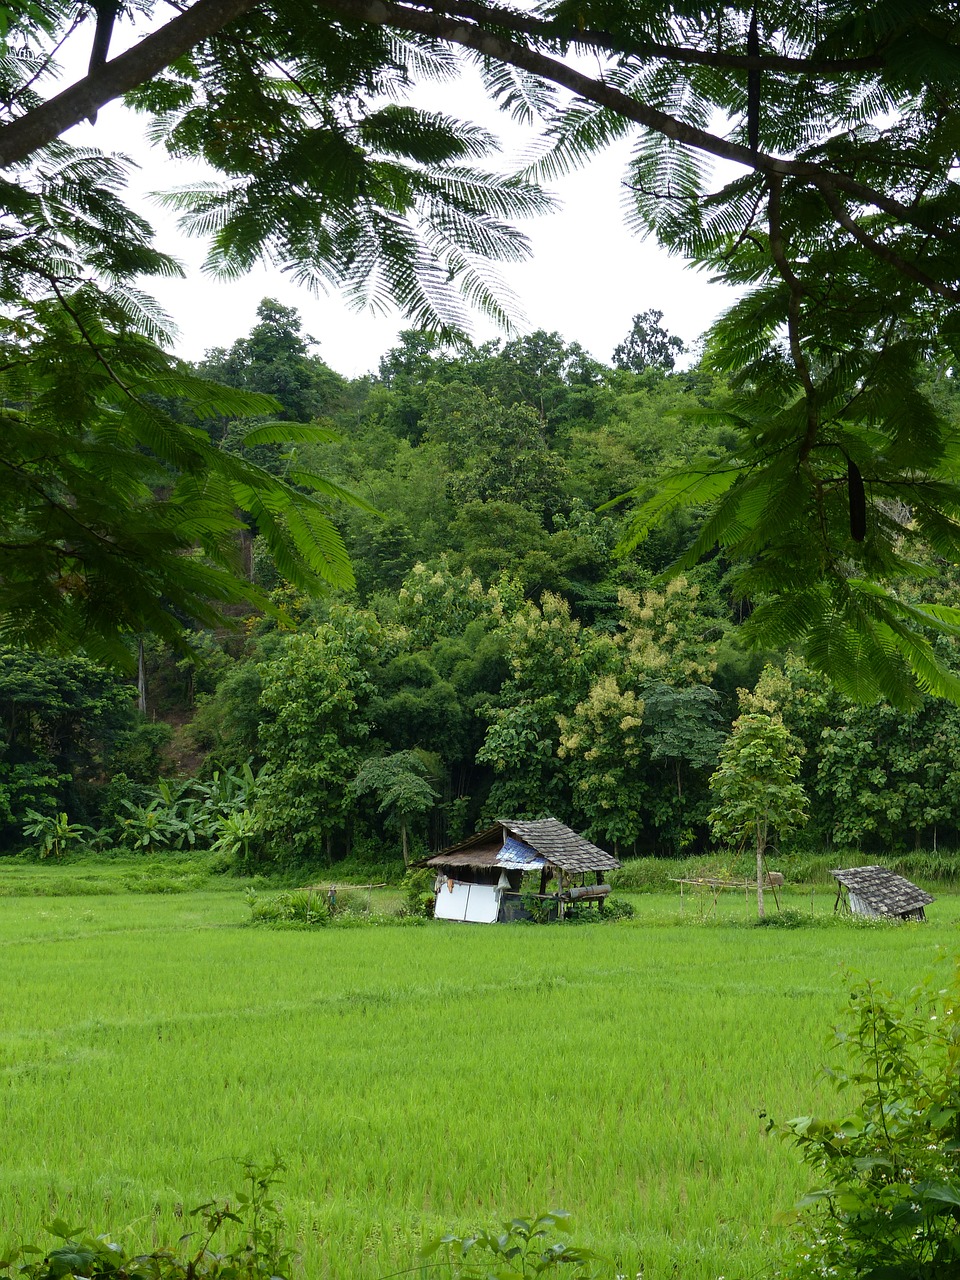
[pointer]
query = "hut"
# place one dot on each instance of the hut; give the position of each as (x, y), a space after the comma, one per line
(877, 892)
(481, 879)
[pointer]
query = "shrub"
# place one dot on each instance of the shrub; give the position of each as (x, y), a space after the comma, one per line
(252, 1217)
(522, 1250)
(292, 909)
(587, 913)
(418, 896)
(787, 918)
(888, 1199)
(618, 909)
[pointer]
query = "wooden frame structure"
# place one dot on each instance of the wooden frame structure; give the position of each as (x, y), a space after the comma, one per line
(716, 886)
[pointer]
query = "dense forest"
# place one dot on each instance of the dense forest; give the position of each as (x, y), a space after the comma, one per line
(495, 655)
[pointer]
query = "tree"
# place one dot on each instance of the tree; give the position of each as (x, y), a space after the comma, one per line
(62, 721)
(682, 733)
(312, 733)
(275, 359)
(550, 674)
(601, 744)
(399, 783)
(648, 345)
(755, 788)
(839, 228)
(880, 778)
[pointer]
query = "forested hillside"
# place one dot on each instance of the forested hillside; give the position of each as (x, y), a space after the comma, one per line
(495, 657)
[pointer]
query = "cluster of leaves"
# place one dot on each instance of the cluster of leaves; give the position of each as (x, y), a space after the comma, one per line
(239, 1239)
(215, 813)
(522, 1249)
(877, 777)
(887, 1202)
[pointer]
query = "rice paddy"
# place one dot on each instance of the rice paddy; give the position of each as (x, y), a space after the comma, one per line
(423, 1079)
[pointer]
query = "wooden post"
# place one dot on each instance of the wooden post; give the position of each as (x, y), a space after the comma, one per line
(760, 844)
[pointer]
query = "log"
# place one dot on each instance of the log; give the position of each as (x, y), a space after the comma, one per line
(587, 891)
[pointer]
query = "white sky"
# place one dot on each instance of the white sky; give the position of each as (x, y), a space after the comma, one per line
(586, 279)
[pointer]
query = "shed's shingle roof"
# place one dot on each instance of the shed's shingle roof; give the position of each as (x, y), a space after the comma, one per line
(560, 846)
(882, 890)
(557, 844)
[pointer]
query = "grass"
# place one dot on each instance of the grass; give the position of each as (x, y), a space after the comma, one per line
(424, 1079)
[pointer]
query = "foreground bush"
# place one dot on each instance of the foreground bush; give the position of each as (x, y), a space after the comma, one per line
(245, 1239)
(242, 1239)
(887, 1200)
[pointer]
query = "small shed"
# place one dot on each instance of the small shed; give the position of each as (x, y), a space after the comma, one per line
(481, 879)
(877, 892)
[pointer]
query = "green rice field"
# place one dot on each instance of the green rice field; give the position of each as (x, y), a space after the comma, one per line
(415, 1079)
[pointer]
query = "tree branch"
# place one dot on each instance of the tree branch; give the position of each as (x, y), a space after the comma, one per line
(880, 250)
(27, 134)
(36, 128)
(491, 43)
(778, 251)
(604, 40)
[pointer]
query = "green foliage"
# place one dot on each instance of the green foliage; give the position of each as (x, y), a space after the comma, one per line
(887, 1199)
(235, 840)
(754, 786)
(521, 1250)
(252, 1218)
(138, 753)
(54, 833)
(617, 909)
(292, 909)
(314, 699)
(417, 889)
(540, 910)
(64, 722)
(153, 521)
(400, 785)
(648, 345)
(836, 471)
(879, 778)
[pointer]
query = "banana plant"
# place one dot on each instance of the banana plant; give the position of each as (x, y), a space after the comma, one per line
(54, 832)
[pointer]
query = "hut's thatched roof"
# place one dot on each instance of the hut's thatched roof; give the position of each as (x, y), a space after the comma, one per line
(883, 891)
(514, 843)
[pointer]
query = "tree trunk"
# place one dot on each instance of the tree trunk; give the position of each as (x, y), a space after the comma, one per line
(761, 845)
(141, 679)
(403, 839)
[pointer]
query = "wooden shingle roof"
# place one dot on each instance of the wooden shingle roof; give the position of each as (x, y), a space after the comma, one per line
(557, 844)
(560, 846)
(882, 890)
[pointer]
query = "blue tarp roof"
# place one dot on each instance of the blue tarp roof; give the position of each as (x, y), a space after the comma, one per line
(517, 856)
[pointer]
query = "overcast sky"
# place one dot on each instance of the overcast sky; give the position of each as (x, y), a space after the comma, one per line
(586, 279)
